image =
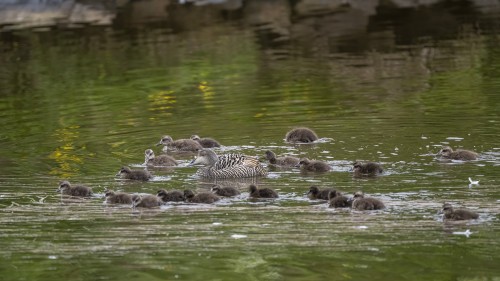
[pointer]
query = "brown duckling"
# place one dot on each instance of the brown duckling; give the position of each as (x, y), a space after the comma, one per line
(458, 214)
(285, 161)
(261, 192)
(205, 142)
(140, 175)
(162, 160)
(366, 169)
(361, 203)
(301, 135)
(117, 197)
(226, 191)
(316, 193)
(145, 201)
(307, 165)
(459, 154)
(171, 196)
(203, 197)
(337, 200)
(179, 145)
(78, 190)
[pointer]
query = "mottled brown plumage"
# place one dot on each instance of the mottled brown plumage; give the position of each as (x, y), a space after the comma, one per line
(179, 145)
(145, 201)
(459, 154)
(117, 197)
(458, 214)
(171, 196)
(361, 203)
(367, 169)
(78, 190)
(261, 192)
(316, 193)
(284, 161)
(301, 135)
(203, 197)
(205, 142)
(226, 191)
(140, 175)
(162, 160)
(337, 200)
(307, 165)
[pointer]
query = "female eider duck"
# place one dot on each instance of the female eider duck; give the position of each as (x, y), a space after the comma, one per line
(285, 161)
(117, 197)
(301, 135)
(162, 160)
(179, 145)
(140, 175)
(458, 214)
(316, 193)
(361, 203)
(459, 154)
(226, 191)
(170, 196)
(227, 166)
(203, 197)
(205, 142)
(145, 201)
(261, 192)
(337, 200)
(367, 169)
(78, 190)
(307, 165)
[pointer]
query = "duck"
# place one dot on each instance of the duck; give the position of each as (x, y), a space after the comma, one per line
(367, 169)
(285, 161)
(226, 191)
(179, 145)
(145, 201)
(316, 193)
(140, 175)
(66, 188)
(361, 203)
(261, 192)
(459, 154)
(117, 197)
(307, 165)
(170, 196)
(337, 200)
(162, 160)
(458, 214)
(205, 142)
(227, 166)
(301, 135)
(203, 197)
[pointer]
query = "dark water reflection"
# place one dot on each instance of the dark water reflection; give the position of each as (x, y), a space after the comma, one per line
(392, 86)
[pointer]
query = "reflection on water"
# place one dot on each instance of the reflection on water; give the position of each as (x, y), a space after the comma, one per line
(381, 82)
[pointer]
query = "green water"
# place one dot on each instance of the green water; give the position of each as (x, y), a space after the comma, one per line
(78, 104)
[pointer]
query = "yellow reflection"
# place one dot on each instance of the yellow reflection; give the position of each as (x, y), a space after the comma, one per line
(207, 94)
(162, 101)
(64, 154)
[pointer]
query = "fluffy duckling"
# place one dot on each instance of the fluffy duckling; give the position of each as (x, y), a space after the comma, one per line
(307, 165)
(226, 191)
(459, 154)
(179, 145)
(337, 200)
(361, 203)
(140, 175)
(117, 197)
(261, 192)
(170, 196)
(203, 197)
(459, 214)
(301, 135)
(162, 160)
(205, 142)
(316, 193)
(78, 190)
(285, 161)
(145, 201)
(367, 169)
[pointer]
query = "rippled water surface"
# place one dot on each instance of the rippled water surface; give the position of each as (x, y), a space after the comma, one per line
(79, 103)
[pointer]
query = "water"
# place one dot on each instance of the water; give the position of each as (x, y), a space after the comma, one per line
(79, 103)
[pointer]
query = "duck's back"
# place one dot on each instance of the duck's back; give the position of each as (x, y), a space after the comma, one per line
(463, 155)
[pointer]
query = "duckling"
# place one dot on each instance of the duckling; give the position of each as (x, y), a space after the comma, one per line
(170, 196)
(203, 197)
(206, 142)
(316, 193)
(163, 160)
(361, 203)
(285, 161)
(226, 191)
(307, 165)
(301, 135)
(145, 201)
(459, 214)
(337, 200)
(140, 175)
(459, 154)
(117, 197)
(180, 144)
(78, 190)
(366, 169)
(261, 192)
